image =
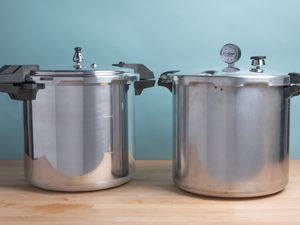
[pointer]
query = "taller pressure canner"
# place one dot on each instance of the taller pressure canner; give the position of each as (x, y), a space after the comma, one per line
(231, 127)
(79, 133)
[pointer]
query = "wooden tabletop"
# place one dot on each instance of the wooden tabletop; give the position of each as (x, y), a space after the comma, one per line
(150, 198)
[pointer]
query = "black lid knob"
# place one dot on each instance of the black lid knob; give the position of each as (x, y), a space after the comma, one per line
(77, 49)
(258, 57)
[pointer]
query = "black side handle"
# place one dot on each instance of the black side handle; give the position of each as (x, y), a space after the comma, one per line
(294, 78)
(294, 88)
(14, 82)
(146, 76)
(165, 81)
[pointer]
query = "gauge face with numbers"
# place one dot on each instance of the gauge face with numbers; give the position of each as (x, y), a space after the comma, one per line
(230, 53)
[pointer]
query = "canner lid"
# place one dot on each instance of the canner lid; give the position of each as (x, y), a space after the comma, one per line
(80, 73)
(80, 70)
(240, 78)
(97, 76)
(232, 76)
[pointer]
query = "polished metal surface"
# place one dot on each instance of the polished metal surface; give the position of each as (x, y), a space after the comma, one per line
(257, 62)
(231, 80)
(230, 141)
(231, 129)
(79, 134)
(79, 128)
(77, 58)
(79, 73)
(93, 65)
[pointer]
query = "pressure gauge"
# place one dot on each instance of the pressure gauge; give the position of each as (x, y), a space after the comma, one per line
(230, 54)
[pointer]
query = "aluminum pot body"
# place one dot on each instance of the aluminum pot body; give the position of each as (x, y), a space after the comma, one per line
(230, 141)
(79, 134)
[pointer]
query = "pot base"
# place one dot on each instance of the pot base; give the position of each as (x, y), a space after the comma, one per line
(42, 174)
(83, 187)
(230, 194)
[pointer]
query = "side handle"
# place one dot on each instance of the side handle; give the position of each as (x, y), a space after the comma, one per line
(146, 76)
(14, 82)
(294, 88)
(165, 81)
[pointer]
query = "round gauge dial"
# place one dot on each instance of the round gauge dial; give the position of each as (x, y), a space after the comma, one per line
(230, 53)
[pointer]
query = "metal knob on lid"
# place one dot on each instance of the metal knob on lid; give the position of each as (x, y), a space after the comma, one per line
(258, 62)
(77, 58)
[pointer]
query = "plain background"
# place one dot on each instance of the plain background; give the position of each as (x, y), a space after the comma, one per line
(163, 34)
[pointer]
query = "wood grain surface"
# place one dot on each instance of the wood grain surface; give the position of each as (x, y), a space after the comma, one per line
(150, 198)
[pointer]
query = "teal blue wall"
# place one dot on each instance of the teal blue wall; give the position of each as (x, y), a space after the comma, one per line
(163, 34)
